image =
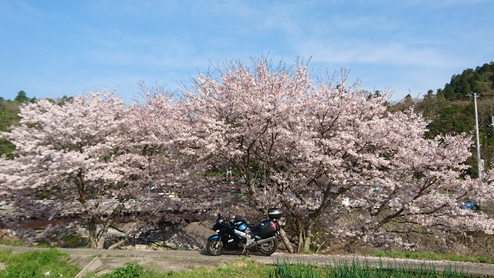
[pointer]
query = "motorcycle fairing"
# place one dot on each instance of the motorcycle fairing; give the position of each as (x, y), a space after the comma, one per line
(214, 238)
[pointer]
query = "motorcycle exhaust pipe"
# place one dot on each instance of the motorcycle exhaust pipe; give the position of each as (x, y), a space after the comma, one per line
(262, 241)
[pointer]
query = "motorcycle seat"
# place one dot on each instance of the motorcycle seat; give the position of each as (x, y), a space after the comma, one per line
(254, 229)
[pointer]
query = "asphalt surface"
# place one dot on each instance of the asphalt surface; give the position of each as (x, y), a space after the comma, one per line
(103, 261)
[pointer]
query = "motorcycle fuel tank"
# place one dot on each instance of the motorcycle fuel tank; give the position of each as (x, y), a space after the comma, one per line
(241, 226)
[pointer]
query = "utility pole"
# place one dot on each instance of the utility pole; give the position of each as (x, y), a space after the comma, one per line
(480, 163)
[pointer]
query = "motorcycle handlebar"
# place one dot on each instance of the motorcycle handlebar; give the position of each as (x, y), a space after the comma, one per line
(225, 219)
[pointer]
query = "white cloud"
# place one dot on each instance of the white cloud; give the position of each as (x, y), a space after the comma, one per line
(364, 52)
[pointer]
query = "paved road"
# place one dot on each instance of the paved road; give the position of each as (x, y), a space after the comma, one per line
(101, 261)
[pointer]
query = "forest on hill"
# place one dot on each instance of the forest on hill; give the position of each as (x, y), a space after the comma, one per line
(450, 110)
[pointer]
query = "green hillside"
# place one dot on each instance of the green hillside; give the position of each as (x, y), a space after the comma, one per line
(470, 81)
(452, 110)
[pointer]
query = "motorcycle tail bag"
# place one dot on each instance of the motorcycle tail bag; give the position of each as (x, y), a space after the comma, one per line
(274, 213)
(268, 228)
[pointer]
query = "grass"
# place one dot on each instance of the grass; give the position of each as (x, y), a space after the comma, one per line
(53, 263)
(241, 268)
(50, 263)
(251, 269)
(432, 256)
(11, 243)
(120, 256)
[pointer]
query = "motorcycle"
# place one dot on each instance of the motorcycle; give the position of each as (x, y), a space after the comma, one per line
(237, 234)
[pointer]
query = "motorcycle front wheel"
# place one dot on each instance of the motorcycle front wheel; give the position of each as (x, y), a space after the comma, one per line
(268, 248)
(215, 248)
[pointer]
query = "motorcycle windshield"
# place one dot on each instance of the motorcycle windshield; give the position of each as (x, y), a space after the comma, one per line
(241, 226)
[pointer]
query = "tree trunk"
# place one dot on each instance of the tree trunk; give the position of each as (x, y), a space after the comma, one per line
(308, 238)
(304, 241)
(286, 241)
(97, 235)
(304, 236)
(118, 243)
(301, 237)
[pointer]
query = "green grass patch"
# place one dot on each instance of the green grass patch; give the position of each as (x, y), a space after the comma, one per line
(355, 269)
(429, 256)
(129, 270)
(120, 256)
(12, 243)
(50, 263)
(240, 268)
(252, 269)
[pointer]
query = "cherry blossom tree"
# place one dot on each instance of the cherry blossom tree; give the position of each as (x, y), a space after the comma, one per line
(153, 126)
(154, 130)
(250, 122)
(159, 128)
(82, 153)
(399, 181)
(309, 146)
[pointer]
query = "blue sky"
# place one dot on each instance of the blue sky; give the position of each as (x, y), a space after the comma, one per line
(52, 48)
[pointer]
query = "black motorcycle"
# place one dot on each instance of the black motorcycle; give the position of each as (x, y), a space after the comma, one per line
(238, 235)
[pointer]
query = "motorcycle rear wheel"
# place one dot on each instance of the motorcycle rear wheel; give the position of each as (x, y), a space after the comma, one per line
(215, 248)
(268, 248)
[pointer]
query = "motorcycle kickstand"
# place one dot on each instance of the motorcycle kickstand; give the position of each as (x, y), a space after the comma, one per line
(246, 251)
